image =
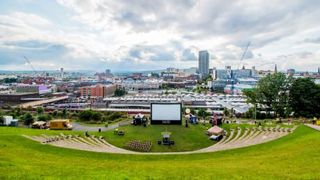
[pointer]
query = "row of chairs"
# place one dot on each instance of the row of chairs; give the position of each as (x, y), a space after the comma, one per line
(139, 146)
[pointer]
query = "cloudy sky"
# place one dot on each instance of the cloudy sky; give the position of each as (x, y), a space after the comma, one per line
(127, 35)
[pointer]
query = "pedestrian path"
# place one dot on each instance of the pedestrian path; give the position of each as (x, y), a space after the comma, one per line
(316, 127)
(81, 127)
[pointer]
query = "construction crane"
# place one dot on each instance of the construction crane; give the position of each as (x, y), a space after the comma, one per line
(28, 62)
(232, 74)
(244, 54)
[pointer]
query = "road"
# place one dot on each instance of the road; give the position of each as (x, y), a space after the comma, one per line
(41, 102)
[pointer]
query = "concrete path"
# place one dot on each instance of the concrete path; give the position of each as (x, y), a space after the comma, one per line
(316, 127)
(80, 127)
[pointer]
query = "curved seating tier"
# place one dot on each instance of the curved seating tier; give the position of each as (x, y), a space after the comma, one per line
(236, 139)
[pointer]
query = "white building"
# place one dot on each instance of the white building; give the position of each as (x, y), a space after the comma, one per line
(8, 120)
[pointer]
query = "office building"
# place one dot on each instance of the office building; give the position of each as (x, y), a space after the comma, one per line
(61, 73)
(108, 72)
(291, 72)
(203, 64)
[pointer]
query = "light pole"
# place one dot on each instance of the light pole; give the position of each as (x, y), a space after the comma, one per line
(255, 111)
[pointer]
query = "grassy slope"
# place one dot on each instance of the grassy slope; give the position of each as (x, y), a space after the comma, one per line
(186, 139)
(294, 156)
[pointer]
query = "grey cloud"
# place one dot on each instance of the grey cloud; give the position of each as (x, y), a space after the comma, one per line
(249, 55)
(313, 40)
(229, 56)
(155, 52)
(12, 52)
(135, 53)
(188, 55)
(240, 21)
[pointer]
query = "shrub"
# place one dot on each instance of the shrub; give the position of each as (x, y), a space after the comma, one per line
(27, 119)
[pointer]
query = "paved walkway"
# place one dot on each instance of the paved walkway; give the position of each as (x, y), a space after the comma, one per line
(81, 127)
(316, 127)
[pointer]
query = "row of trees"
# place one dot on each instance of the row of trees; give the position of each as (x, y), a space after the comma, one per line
(28, 117)
(286, 96)
(89, 115)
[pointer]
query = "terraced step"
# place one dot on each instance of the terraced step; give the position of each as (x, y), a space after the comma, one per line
(241, 138)
(229, 137)
(100, 143)
(103, 141)
(244, 135)
(91, 141)
(237, 136)
(85, 141)
(252, 132)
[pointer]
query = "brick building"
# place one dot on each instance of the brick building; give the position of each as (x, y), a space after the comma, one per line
(98, 90)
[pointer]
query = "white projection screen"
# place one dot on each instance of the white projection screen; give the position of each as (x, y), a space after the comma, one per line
(166, 113)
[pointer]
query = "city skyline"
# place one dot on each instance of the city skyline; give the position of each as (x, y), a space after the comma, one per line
(118, 35)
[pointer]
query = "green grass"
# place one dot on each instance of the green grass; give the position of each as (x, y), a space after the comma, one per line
(186, 139)
(296, 156)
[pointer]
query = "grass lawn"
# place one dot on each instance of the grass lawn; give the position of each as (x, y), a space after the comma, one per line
(186, 139)
(296, 156)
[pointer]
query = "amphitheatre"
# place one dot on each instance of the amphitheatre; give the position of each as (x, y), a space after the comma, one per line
(236, 139)
(278, 152)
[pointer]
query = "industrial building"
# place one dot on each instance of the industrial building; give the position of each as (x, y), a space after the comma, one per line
(27, 88)
(213, 102)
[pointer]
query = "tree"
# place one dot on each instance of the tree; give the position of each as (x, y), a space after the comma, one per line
(226, 112)
(1, 120)
(55, 113)
(27, 119)
(202, 112)
(86, 115)
(40, 110)
(29, 108)
(119, 92)
(10, 80)
(17, 111)
(44, 117)
(192, 111)
(272, 92)
(64, 113)
(115, 115)
(305, 98)
(97, 116)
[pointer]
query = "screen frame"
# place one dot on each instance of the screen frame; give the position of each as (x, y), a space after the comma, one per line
(179, 122)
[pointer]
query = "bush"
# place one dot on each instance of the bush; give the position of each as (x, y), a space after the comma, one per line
(40, 110)
(120, 92)
(114, 116)
(45, 117)
(28, 119)
(96, 116)
(1, 120)
(86, 115)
